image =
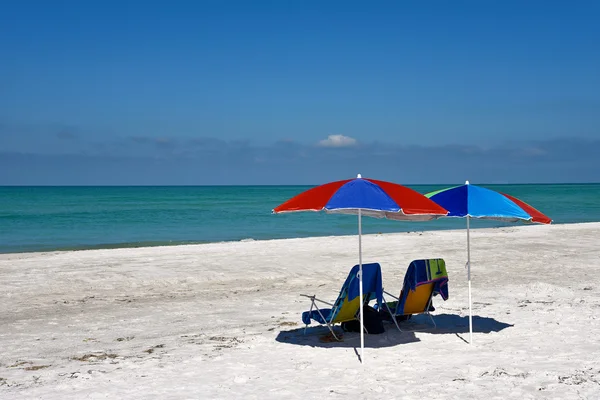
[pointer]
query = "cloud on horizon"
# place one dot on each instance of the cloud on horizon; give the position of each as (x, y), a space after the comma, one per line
(337, 141)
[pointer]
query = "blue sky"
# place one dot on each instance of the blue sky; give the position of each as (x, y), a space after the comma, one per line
(298, 92)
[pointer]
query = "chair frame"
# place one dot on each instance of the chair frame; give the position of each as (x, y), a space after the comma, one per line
(313, 304)
(330, 324)
(338, 305)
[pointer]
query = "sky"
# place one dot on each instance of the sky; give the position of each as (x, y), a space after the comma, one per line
(298, 92)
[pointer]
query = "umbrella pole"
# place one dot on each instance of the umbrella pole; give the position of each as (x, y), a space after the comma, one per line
(469, 278)
(360, 285)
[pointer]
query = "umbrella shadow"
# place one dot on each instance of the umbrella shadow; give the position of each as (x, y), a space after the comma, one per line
(320, 337)
(453, 324)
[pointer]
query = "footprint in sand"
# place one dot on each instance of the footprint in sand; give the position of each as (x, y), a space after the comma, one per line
(302, 365)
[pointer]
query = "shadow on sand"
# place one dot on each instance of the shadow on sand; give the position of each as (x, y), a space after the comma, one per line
(454, 324)
(446, 324)
(314, 338)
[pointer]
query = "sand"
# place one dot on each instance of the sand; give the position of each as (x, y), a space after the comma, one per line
(223, 320)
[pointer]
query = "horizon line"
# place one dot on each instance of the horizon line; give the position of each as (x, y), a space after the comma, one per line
(289, 185)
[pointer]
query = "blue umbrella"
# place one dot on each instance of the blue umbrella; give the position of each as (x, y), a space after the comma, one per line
(473, 201)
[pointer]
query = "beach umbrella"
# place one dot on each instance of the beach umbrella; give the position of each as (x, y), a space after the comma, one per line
(368, 197)
(473, 201)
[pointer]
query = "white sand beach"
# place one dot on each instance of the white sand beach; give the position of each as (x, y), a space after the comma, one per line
(222, 321)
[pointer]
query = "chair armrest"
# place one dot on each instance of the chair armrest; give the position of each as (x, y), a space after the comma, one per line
(313, 298)
(391, 295)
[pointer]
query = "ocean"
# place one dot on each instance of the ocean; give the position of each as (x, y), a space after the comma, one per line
(72, 218)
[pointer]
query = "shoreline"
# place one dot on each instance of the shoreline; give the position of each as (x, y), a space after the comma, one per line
(125, 246)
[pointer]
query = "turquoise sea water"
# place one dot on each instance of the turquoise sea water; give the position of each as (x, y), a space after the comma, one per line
(60, 218)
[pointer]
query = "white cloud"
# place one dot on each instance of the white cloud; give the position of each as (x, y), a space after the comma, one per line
(337, 141)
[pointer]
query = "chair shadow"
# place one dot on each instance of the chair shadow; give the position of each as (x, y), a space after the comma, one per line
(454, 324)
(314, 336)
(445, 324)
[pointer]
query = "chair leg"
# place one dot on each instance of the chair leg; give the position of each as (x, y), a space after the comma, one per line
(432, 320)
(429, 314)
(393, 317)
(329, 325)
(312, 304)
(333, 333)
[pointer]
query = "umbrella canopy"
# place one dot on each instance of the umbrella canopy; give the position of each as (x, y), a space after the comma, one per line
(369, 197)
(473, 201)
(536, 216)
(374, 198)
(479, 202)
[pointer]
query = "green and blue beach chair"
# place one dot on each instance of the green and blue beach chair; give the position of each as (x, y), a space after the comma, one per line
(423, 280)
(347, 305)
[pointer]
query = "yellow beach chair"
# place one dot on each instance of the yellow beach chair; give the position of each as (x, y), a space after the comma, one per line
(347, 306)
(423, 280)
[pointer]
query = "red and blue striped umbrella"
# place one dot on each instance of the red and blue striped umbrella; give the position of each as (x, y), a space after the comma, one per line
(369, 197)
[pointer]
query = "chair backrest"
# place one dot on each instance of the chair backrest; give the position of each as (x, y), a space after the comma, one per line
(423, 278)
(347, 304)
(347, 310)
(417, 301)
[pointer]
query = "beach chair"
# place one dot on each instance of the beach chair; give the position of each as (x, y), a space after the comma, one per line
(423, 280)
(347, 305)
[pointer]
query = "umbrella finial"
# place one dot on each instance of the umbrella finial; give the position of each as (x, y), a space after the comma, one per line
(466, 182)
(359, 176)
